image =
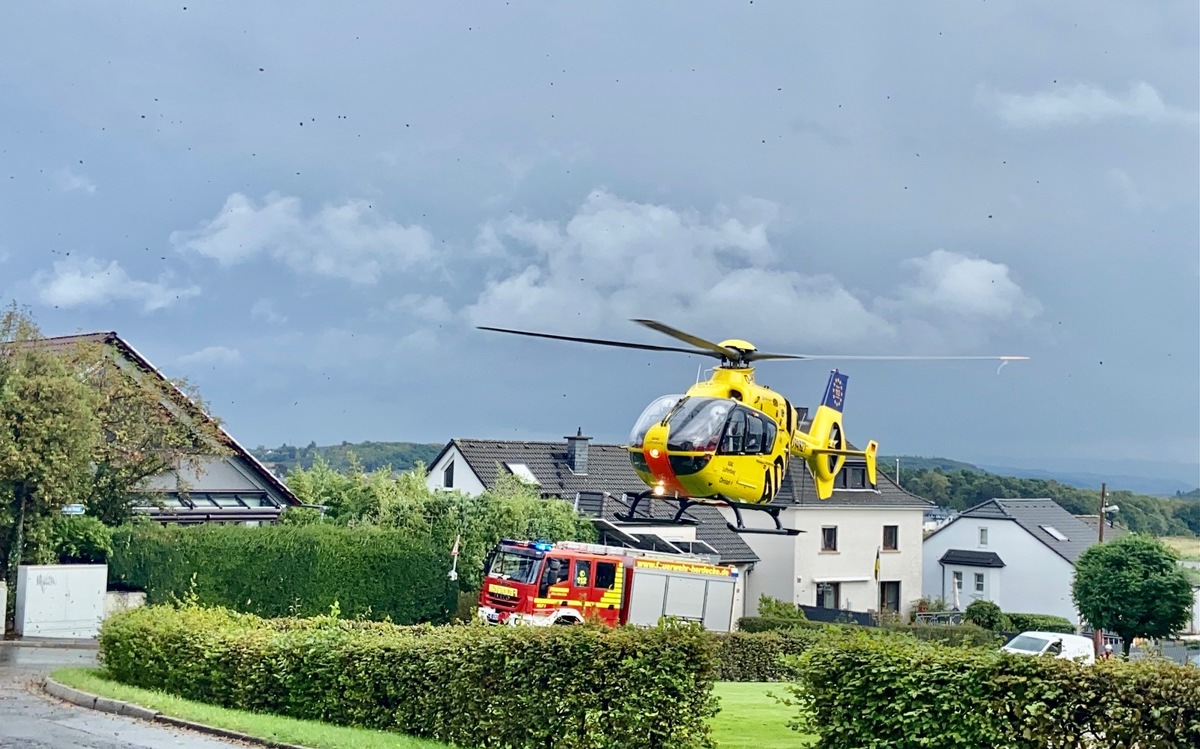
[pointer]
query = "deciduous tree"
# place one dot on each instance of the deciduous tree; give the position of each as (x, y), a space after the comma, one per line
(1132, 586)
(48, 431)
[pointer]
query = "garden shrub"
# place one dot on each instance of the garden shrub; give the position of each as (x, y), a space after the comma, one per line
(581, 687)
(870, 693)
(277, 571)
(1040, 623)
(987, 615)
(79, 539)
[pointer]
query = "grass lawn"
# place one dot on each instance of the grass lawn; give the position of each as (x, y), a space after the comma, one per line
(1188, 547)
(749, 718)
(287, 730)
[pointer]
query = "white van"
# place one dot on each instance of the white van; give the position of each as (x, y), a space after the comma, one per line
(1070, 647)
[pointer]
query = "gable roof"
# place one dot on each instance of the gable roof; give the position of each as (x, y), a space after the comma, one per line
(799, 490)
(608, 466)
(119, 345)
(598, 493)
(1035, 516)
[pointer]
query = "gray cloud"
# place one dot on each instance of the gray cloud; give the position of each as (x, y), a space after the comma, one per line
(89, 283)
(1083, 103)
(350, 241)
(68, 181)
(616, 259)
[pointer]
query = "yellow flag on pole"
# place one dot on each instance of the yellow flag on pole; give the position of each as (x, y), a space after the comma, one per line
(877, 550)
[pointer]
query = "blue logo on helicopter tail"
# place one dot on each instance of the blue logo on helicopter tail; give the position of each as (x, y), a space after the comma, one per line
(835, 391)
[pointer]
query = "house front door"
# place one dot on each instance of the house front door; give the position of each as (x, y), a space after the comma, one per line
(889, 595)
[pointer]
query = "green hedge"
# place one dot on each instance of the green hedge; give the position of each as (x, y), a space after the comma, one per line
(773, 623)
(1040, 623)
(287, 570)
(870, 693)
(957, 635)
(759, 656)
(582, 687)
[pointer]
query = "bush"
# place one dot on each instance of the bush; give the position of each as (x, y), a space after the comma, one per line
(79, 539)
(770, 624)
(581, 687)
(759, 656)
(866, 692)
(987, 615)
(280, 570)
(953, 635)
(1040, 623)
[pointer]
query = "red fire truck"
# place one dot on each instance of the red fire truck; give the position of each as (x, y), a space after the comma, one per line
(528, 582)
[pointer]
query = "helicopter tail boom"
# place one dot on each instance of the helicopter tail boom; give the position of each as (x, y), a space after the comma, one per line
(823, 446)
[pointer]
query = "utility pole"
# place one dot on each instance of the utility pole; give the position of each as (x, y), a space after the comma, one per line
(1097, 633)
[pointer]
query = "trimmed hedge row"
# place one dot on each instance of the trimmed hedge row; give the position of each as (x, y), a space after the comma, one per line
(277, 571)
(870, 693)
(582, 687)
(760, 656)
(1040, 623)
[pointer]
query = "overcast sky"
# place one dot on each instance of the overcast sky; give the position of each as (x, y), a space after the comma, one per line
(305, 207)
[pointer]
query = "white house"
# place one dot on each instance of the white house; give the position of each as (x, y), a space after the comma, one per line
(832, 562)
(1017, 553)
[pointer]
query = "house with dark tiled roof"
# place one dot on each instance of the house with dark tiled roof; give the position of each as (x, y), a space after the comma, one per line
(597, 479)
(832, 562)
(230, 488)
(1017, 553)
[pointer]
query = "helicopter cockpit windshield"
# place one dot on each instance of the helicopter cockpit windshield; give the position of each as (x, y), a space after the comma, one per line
(697, 424)
(654, 413)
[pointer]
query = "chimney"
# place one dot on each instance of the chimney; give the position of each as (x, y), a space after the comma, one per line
(577, 453)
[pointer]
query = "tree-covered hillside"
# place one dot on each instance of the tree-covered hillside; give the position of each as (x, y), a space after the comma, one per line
(371, 456)
(962, 489)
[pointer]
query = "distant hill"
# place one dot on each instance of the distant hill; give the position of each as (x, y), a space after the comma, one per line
(917, 463)
(401, 456)
(1156, 487)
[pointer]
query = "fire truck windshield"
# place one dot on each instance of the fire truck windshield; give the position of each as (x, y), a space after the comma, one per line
(510, 565)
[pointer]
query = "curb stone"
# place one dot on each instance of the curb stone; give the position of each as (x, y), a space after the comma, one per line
(129, 710)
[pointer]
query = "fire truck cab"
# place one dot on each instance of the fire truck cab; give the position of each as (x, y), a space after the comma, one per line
(528, 582)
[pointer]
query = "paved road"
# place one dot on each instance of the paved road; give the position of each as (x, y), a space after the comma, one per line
(31, 720)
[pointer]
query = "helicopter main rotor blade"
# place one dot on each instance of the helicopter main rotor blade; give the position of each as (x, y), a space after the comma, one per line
(755, 356)
(696, 341)
(603, 342)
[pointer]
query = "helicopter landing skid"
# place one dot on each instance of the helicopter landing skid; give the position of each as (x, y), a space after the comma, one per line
(686, 502)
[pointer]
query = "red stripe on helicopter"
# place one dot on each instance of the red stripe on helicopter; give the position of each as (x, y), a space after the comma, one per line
(659, 464)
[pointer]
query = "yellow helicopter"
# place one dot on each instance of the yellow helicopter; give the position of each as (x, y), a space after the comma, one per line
(728, 440)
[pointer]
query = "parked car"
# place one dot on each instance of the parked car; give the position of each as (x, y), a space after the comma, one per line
(1069, 647)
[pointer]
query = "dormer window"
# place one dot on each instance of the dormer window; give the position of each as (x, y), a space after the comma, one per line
(852, 477)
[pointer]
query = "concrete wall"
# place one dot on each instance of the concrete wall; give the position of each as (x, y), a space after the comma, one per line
(63, 601)
(1034, 580)
(116, 601)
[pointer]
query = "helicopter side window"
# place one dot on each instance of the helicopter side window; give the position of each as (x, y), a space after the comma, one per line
(755, 429)
(734, 442)
(770, 431)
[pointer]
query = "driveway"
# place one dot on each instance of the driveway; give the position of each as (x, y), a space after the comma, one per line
(31, 720)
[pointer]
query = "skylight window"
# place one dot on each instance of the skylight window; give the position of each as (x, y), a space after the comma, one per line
(521, 471)
(1055, 532)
